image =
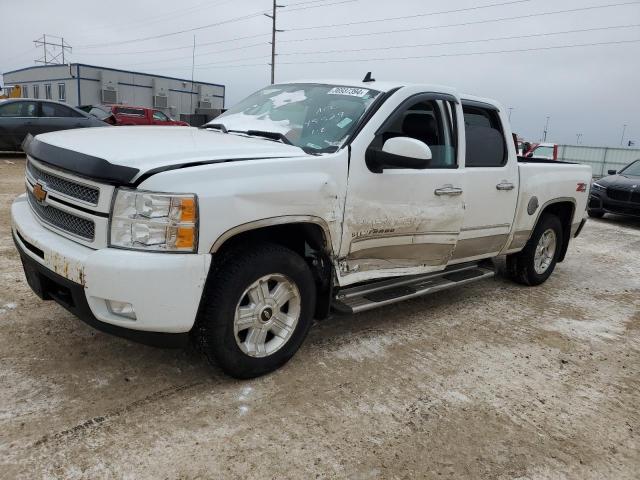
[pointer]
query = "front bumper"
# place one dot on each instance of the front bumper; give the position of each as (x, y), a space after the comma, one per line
(600, 202)
(164, 289)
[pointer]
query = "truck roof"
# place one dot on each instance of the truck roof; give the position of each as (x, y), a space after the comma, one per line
(385, 86)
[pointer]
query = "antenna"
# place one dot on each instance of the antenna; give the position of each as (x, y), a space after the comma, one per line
(367, 78)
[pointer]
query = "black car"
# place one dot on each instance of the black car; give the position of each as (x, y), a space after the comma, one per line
(618, 193)
(19, 117)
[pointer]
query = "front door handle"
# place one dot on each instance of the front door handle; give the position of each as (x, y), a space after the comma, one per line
(504, 185)
(448, 190)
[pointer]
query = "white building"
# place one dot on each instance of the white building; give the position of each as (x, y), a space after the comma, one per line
(79, 84)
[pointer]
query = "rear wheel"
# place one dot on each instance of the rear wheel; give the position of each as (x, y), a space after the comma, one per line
(537, 260)
(257, 310)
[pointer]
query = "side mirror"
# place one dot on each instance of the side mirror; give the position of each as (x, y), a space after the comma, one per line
(611, 172)
(399, 152)
(407, 147)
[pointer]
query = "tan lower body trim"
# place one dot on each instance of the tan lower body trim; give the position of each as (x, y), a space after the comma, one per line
(412, 255)
(519, 239)
(472, 247)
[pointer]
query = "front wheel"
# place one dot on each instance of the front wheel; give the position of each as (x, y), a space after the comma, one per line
(257, 310)
(537, 260)
(595, 213)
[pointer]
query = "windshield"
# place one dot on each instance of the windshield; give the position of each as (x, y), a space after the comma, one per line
(315, 117)
(632, 169)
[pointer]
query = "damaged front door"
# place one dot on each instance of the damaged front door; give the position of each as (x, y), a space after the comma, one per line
(405, 203)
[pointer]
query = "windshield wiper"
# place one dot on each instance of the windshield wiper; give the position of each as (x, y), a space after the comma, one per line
(264, 133)
(216, 126)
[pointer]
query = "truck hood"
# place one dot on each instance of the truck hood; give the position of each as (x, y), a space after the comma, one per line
(122, 155)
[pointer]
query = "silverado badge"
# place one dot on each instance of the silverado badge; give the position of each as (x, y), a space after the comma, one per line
(39, 192)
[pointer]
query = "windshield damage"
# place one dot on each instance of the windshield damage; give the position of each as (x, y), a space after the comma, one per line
(317, 118)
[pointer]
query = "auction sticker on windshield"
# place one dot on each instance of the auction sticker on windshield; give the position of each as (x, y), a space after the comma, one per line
(354, 92)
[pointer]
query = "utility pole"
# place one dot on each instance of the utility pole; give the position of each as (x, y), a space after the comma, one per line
(53, 52)
(546, 129)
(578, 137)
(510, 110)
(624, 128)
(193, 66)
(274, 30)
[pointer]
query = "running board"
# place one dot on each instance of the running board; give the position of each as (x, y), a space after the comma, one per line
(384, 292)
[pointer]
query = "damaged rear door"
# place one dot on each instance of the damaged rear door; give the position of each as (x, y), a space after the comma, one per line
(401, 220)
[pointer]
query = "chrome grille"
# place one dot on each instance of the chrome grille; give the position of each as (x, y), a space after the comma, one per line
(66, 187)
(65, 221)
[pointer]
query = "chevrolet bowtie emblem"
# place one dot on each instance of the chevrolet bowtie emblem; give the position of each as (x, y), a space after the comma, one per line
(39, 192)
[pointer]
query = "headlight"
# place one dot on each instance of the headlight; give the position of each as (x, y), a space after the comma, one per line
(154, 221)
(597, 186)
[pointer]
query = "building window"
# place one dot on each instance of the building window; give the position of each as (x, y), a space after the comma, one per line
(25, 91)
(47, 91)
(62, 92)
(36, 91)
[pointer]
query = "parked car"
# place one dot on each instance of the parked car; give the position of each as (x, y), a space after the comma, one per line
(129, 115)
(618, 193)
(302, 199)
(102, 112)
(21, 117)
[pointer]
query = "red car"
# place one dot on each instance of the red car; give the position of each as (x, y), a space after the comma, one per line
(129, 115)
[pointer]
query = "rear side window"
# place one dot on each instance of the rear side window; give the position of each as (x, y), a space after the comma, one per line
(484, 137)
(55, 110)
(135, 112)
(19, 109)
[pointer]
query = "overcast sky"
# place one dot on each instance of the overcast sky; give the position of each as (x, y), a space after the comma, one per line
(592, 90)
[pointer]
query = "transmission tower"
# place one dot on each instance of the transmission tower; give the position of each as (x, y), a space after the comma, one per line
(53, 49)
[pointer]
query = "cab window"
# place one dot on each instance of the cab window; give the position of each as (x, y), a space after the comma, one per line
(429, 121)
(484, 137)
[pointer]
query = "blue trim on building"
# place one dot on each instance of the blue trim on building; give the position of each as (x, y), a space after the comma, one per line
(192, 93)
(48, 80)
(116, 70)
(78, 83)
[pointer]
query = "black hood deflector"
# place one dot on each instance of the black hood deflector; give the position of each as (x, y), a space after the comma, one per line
(79, 163)
(101, 170)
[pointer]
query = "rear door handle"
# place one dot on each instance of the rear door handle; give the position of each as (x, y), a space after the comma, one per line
(505, 186)
(448, 190)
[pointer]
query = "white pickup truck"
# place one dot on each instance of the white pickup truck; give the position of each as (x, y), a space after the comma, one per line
(305, 198)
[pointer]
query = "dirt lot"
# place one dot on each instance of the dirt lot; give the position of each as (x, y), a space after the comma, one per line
(493, 380)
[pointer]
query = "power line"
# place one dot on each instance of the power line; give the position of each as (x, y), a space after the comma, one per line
(158, 50)
(441, 12)
(322, 5)
(512, 37)
(457, 42)
(414, 57)
(159, 18)
(476, 22)
(164, 35)
(152, 62)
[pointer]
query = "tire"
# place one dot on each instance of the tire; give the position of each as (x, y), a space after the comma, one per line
(522, 266)
(595, 213)
(238, 285)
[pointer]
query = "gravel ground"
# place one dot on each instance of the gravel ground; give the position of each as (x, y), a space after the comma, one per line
(492, 380)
